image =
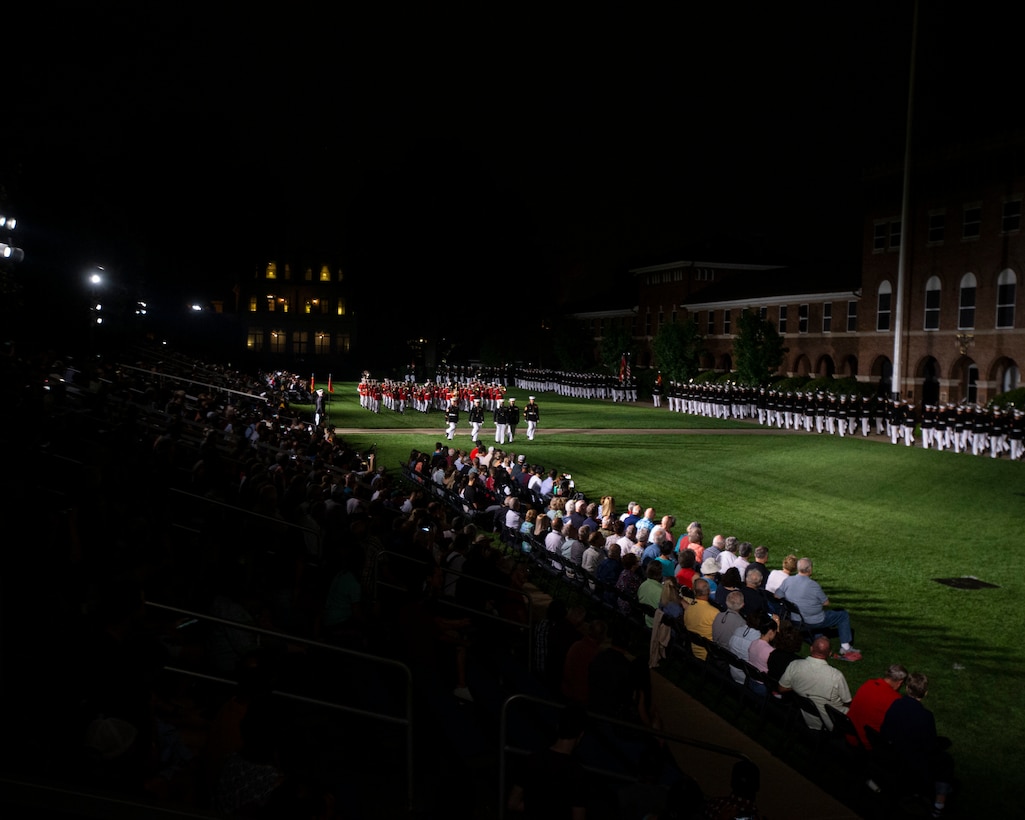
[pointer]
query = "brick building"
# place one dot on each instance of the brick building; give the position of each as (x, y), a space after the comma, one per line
(962, 330)
(293, 314)
(961, 323)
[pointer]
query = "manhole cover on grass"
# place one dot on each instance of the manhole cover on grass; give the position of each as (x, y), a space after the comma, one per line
(965, 583)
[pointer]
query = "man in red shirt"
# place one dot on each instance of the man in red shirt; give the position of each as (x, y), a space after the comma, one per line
(873, 698)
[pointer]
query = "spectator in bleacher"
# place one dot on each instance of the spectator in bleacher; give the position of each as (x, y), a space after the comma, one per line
(594, 554)
(729, 581)
(686, 571)
(814, 678)
(802, 590)
(555, 612)
(728, 556)
(911, 729)
(576, 667)
(607, 571)
(761, 560)
(554, 541)
(556, 507)
(776, 576)
(649, 593)
(755, 602)
(527, 528)
(552, 784)
(342, 618)
(619, 684)
(513, 516)
(548, 483)
(650, 548)
(726, 623)
(628, 541)
(699, 616)
(647, 521)
(668, 522)
(786, 649)
(574, 514)
(745, 781)
(564, 633)
(710, 572)
(666, 558)
(632, 514)
(627, 583)
(744, 556)
(590, 517)
(873, 698)
(714, 550)
(758, 652)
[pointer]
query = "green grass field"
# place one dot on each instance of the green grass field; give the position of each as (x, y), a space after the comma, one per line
(881, 523)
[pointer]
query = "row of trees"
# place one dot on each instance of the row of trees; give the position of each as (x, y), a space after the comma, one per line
(758, 349)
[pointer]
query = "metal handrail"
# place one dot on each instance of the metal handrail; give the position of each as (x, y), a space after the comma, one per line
(504, 746)
(406, 721)
(528, 626)
(278, 522)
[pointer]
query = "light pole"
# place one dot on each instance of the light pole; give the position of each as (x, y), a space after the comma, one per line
(95, 307)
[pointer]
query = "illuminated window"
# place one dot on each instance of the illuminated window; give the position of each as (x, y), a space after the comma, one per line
(322, 342)
(341, 306)
(325, 274)
(1006, 293)
(272, 270)
(272, 301)
(277, 341)
(883, 306)
(285, 304)
(308, 306)
(932, 304)
(308, 276)
(254, 340)
(252, 303)
(966, 304)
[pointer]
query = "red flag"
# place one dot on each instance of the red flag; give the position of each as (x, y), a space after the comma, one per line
(658, 380)
(622, 367)
(628, 368)
(330, 387)
(313, 384)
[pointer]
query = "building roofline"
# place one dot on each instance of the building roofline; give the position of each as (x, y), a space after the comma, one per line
(766, 301)
(699, 264)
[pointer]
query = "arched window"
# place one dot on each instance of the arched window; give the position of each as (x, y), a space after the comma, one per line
(883, 309)
(1006, 293)
(1010, 379)
(932, 304)
(966, 311)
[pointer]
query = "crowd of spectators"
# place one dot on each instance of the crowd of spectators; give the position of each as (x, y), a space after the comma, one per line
(292, 533)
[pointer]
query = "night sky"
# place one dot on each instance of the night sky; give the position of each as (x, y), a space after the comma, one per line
(509, 150)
